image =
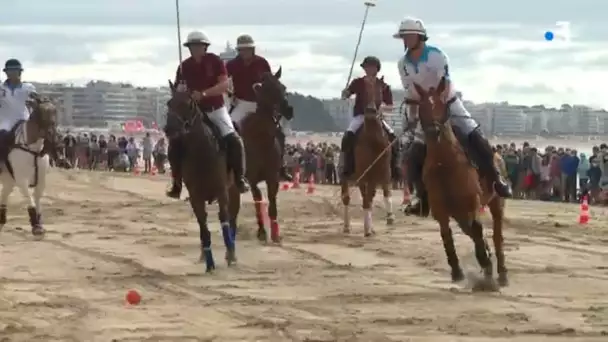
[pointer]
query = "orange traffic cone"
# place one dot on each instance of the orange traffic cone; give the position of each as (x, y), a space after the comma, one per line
(285, 186)
(311, 184)
(583, 217)
(153, 171)
(482, 210)
(136, 170)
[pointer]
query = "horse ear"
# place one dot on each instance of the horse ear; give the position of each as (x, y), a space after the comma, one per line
(279, 73)
(419, 90)
(171, 86)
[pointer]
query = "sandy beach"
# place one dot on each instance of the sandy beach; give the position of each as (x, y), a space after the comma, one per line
(110, 233)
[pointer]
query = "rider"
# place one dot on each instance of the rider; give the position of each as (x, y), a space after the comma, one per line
(426, 65)
(14, 98)
(246, 70)
(358, 87)
(205, 76)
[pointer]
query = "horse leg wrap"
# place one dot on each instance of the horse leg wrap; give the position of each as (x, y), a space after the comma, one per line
(227, 235)
(274, 229)
(34, 216)
(3, 214)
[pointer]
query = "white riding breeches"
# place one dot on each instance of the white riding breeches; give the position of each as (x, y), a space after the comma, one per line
(461, 118)
(242, 109)
(357, 121)
(221, 119)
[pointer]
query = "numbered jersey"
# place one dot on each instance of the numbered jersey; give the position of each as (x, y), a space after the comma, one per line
(426, 72)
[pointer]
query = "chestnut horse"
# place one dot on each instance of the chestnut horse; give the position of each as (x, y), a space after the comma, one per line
(455, 189)
(205, 172)
(372, 165)
(263, 151)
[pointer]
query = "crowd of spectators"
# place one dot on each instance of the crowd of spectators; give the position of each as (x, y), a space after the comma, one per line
(553, 174)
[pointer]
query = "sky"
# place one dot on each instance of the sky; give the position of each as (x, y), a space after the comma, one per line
(497, 50)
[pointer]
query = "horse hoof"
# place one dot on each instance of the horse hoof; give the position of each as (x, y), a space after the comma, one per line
(503, 281)
(262, 237)
(276, 239)
(457, 275)
(390, 221)
(230, 257)
(38, 232)
(210, 269)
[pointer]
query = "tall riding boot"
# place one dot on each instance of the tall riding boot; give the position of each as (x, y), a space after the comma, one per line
(482, 151)
(236, 159)
(281, 138)
(415, 166)
(347, 148)
(174, 155)
(394, 156)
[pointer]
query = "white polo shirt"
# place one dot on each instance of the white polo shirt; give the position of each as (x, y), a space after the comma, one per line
(13, 104)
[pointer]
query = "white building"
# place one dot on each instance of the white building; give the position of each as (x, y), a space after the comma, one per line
(508, 120)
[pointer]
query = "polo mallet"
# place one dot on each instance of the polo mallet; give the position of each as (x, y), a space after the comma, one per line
(368, 5)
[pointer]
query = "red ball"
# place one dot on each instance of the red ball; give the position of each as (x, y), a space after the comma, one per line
(133, 297)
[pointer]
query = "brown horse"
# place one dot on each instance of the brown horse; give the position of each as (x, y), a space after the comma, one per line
(372, 165)
(263, 151)
(205, 173)
(455, 189)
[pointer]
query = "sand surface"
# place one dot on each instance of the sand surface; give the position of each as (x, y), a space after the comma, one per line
(108, 234)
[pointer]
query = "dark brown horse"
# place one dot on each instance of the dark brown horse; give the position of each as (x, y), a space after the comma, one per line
(205, 173)
(455, 189)
(372, 164)
(262, 149)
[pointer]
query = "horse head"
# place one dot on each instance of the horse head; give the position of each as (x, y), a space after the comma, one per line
(434, 112)
(271, 95)
(43, 115)
(182, 109)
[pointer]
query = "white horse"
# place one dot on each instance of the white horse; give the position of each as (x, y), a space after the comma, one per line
(26, 164)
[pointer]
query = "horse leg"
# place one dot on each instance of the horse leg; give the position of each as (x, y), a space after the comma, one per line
(388, 204)
(234, 207)
(43, 164)
(367, 194)
(7, 187)
(224, 218)
(200, 211)
(346, 203)
(259, 212)
(272, 191)
(450, 250)
(497, 211)
(482, 253)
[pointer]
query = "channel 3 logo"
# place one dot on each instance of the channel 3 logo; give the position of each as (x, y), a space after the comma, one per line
(561, 32)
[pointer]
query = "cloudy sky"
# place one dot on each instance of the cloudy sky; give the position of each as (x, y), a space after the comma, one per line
(497, 49)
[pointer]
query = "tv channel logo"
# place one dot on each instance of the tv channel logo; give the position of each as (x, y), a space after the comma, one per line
(561, 32)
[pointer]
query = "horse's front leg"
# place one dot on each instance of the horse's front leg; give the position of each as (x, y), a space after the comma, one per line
(200, 211)
(448, 246)
(272, 189)
(367, 195)
(259, 211)
(388, 203)
(227, 231)
(8, 183)
(34, 216)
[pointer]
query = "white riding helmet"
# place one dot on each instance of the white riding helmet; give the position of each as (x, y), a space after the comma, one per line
(197, 37)
(411, 26)
(245, 41)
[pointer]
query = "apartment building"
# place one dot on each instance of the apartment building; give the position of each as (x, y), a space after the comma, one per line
(104, 104)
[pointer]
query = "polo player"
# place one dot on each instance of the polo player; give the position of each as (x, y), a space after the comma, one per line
(246, 71)
(365, 101)
(204, 75)
(14, 98)
(426, 65)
